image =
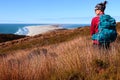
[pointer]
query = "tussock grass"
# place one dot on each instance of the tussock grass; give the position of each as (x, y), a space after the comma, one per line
(72, 60)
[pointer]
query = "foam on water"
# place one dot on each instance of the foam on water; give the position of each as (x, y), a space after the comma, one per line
(22, 31)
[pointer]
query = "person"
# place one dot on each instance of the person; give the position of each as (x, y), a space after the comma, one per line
(99, 10)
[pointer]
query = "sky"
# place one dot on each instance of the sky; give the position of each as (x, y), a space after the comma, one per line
(54, 11)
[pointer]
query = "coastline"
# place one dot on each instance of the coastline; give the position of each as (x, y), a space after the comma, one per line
(35, 30)
(22, 29)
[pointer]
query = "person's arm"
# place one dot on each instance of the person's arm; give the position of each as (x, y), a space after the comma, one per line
(92, 27)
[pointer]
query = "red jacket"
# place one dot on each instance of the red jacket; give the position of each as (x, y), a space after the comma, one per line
(94, 27)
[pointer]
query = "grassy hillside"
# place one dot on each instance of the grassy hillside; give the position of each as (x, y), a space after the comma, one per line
(9, 37)
(49, 38)
(118, 30)
(59, 55)
(118, 27)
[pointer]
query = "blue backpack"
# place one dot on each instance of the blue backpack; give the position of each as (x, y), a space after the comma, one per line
(106, 30)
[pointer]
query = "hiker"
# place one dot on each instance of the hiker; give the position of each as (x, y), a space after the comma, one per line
(101, 31)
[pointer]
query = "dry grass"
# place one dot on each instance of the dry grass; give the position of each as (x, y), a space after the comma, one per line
(71, 60)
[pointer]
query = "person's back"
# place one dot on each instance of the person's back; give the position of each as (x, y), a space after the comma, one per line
(103, 27)
(106, 30)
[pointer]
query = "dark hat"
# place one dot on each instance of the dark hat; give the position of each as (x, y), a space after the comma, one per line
(101, 6)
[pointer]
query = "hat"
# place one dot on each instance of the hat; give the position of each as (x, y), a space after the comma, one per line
(101, 6)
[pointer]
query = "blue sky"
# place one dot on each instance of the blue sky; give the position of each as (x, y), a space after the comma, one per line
(53, 11)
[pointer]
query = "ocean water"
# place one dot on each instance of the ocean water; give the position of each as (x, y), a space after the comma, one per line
(21, 29)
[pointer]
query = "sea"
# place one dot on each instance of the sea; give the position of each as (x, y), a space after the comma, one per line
(21, 29)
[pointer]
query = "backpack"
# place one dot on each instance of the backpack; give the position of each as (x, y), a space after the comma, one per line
(106, 30)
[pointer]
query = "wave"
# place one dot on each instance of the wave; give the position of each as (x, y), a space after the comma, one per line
(22, 31)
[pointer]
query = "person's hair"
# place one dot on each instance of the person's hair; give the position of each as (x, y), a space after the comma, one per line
(101, 6)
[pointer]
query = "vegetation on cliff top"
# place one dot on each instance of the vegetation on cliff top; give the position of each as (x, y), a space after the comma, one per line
(9, 37)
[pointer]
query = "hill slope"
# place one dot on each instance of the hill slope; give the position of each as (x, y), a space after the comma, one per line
(48, 38)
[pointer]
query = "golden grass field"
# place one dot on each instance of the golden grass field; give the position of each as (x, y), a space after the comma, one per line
(59, 55)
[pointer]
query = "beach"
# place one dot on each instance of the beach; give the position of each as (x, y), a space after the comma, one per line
(35, 30)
